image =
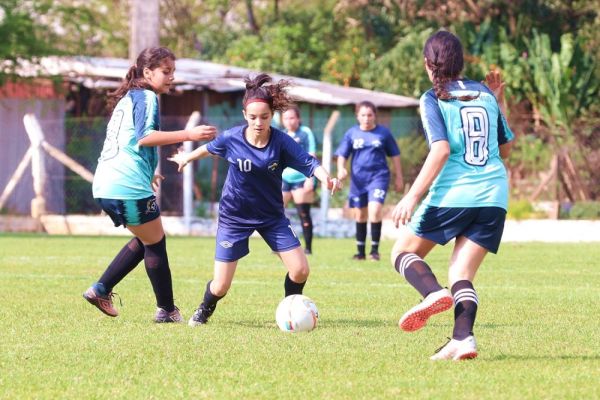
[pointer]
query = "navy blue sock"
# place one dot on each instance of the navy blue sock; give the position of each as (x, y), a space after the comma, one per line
(209, 301)
(465, 309)
(361, 236)
(307, 224)
(292, 287)
(375, 236)
(417, 273)
(157, 268)
(128, 258)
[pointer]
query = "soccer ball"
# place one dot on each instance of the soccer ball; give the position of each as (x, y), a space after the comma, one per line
(297, 313)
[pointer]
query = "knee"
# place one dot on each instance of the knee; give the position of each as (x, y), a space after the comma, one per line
(219, 288)
(299, 274)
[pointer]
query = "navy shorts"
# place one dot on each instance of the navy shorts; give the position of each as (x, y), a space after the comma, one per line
(130, 212)
(290, 187)
(482, 225)
(232, 242)
(374, 192)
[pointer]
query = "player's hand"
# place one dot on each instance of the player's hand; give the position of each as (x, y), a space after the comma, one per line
(494, 81)
(202, 132)
(181, 159)
(334, 185)
(342, 174)
(309, 185)
(156, 180)
(403, 211)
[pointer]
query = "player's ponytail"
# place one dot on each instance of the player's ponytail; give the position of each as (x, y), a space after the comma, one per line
(275, 95)
(444, 57)
(150, 58)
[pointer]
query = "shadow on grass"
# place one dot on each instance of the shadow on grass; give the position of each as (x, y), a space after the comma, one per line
(516, 357)
(339, 323)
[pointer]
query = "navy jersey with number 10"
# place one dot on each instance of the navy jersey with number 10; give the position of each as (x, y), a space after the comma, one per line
(251, 194)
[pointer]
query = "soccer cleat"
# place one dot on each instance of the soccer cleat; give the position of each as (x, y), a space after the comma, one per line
(102, 302)
(201, 315)
(374, 256)
(163, 316)
(359, 257)
(435, 302)
(457, 350)
(307, 251)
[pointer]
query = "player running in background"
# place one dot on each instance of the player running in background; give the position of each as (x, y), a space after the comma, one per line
(251, 199)
(295, 185)
(124, 182)
(368, 143)
(467, 193)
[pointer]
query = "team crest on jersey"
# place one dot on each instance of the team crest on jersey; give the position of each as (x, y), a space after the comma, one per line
(226, 244)
(151, 206)
(273, 165)
(376, 143)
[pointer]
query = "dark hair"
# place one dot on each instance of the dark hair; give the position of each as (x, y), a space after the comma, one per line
(444, 54)
(293, 108)
(151, 58)
(275, 95)
(367, 104)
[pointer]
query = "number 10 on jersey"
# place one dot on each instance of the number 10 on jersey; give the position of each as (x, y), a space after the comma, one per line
(244, 165)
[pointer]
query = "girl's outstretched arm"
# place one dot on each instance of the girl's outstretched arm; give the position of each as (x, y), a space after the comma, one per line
(182, 158)
(333, 184)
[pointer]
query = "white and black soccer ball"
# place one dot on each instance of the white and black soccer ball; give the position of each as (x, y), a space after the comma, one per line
(297, 313)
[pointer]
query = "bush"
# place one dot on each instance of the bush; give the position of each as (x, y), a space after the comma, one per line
(522, 209)
(582, 210)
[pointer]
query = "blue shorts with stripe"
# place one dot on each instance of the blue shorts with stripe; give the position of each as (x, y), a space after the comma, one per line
(375, 191)
(232, 242)
(130, 212)
(482, 225)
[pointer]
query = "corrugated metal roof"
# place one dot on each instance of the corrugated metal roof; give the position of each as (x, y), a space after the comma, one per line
(195, 74)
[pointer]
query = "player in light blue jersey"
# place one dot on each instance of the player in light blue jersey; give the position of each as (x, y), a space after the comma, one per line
(124, 182)
(369, 144)
(468, 193)
(251, 199)
(295, 185)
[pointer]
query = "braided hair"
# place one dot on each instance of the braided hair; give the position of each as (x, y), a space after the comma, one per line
(444, 57)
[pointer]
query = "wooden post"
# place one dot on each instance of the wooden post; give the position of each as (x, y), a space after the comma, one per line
(145, 25)
(188, 176)
(14, 179)
(326, 163)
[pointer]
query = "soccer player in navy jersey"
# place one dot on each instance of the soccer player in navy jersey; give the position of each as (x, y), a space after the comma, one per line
(467, 197)
(124, 182)
(296, 186)
(251, 199)
(368, 143)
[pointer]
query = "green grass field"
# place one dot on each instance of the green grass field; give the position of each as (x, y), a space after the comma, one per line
(538, 327)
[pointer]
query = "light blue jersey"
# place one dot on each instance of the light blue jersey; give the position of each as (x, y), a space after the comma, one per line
(474, 175)
(305, 138)
(125, 169)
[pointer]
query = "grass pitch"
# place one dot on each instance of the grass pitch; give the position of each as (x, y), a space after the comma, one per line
(538, 327)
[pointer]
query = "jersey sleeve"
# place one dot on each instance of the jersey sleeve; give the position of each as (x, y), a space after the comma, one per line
(345, 147)
(505, 135)
(297, 158)
(145, 112)
(218, 146)
(391, 147)
(312, 144)
(431, 116)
